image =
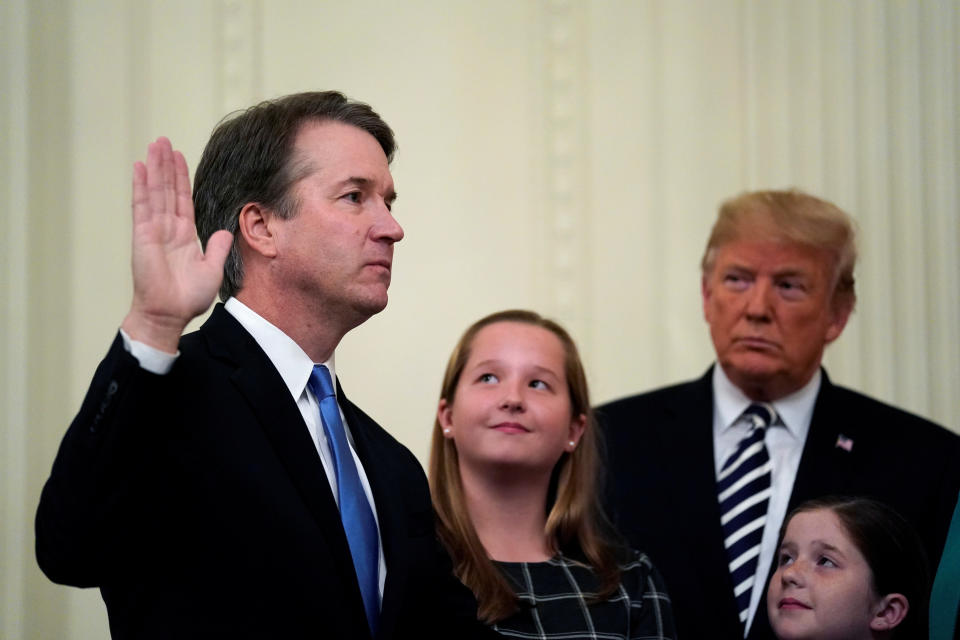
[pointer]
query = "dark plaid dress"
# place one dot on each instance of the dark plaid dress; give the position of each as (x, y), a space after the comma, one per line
(556, 601)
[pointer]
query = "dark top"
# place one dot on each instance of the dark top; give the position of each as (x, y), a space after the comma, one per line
(663, 490)
(197, 503)
(558, 601)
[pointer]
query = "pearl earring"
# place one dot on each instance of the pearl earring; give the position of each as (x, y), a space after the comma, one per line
(572, 443)
(447, 430)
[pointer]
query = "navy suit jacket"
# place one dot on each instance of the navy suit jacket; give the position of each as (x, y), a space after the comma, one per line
(663, 497)
(197, 503)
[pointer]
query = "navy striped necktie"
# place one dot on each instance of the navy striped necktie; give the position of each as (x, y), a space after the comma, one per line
(744, 492)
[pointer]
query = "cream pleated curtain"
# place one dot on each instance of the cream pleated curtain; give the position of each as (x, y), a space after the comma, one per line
(566, 156)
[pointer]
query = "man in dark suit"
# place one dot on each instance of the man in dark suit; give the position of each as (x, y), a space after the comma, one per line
(220, 484)
(703, 473)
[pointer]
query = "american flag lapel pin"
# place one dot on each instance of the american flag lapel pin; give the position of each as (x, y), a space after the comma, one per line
(845, 443)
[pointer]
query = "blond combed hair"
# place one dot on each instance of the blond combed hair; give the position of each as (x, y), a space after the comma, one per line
(575, 519)
(790, 216)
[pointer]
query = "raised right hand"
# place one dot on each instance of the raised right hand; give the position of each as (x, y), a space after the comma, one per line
(173, 280)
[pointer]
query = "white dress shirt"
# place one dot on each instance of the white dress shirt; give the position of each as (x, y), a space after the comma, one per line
(784, 441)
(295, 367)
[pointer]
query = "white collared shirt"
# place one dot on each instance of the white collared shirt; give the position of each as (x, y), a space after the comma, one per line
(295, 367)
(784, 441)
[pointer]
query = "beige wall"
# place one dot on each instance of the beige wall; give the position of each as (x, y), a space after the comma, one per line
(560, 155)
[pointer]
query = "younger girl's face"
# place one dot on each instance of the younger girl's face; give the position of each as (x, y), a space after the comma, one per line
(512, 406)
(823, 587)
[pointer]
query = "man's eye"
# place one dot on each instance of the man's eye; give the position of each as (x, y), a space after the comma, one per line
(735, 281)
(353, 196)
(488, 378)
(791, 289)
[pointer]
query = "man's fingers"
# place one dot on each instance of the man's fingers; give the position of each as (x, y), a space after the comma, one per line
(154, 185)
(168, 176)
(140, 201)
(218, 246)
(184, 202)
(160, 177)
(161, 185)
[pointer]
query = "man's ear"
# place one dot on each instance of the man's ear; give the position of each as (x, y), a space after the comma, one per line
(890, 612)
(254, 226)
(840, 311)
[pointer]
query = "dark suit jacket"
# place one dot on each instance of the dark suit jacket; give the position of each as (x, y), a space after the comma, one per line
(198, 504)
(663, 497)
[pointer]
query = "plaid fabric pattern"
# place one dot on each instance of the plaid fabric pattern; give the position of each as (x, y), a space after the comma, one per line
(557, 601)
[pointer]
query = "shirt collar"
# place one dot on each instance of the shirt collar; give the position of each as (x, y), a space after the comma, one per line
(795, 410)
(292, 362)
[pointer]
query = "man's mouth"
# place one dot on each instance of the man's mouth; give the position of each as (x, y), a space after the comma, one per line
(754, 342)
(380, 264)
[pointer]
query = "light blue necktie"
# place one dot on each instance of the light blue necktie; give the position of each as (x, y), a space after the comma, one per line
(355, 512)
(744, 491)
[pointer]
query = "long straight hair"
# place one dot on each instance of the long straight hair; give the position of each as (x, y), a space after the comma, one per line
(575, 522)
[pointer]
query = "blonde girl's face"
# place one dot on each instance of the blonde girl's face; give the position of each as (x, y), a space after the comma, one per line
(511, 407)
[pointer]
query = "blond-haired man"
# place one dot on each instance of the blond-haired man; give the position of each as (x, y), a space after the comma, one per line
(702, 473)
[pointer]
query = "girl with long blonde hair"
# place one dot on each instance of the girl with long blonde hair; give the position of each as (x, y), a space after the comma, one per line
(514, 474)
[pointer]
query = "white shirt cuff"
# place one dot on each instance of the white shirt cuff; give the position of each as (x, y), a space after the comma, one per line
(151, 359)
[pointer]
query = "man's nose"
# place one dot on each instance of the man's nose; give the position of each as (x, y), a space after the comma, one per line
(759, 299)
(387, 228)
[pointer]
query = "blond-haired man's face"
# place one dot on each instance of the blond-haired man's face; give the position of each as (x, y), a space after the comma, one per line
(769, 307)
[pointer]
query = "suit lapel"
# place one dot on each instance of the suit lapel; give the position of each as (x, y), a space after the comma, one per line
(377, 464)
(826, 467)
(689, 437)
(277, 414)
(689, 431)
(695, 421)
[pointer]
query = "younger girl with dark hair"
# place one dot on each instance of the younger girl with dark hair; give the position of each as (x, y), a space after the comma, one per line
(513, 474)
(848, 568)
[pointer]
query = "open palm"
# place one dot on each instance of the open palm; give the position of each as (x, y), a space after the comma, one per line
(173, 280)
